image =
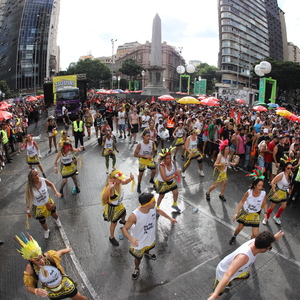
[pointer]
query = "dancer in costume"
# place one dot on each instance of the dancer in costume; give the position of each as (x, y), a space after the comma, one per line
(46, 269)
(192, 152)
(248, 210)
(63, 138)
(235, 266)
(88, 121)
(145, 151)
(166, 179)
(220, 171)
(142, 223)
(39, 204)
(279, 191)
(109, 148)
(179, 135)
(98, 120)
(33, 153)
(51, 132)
(112, 197)
(68, 167)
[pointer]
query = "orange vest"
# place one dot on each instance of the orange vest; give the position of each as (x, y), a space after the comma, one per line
(170, 123)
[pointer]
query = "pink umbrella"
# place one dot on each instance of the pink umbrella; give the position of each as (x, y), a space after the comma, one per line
(280, 108)
(4, 115)
(166, 98)
(241, 101)
(4, 106)
(213, 98)
(259, 108)
(292, 117)
(210, 102)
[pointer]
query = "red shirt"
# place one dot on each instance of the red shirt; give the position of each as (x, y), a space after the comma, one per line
(269, 156)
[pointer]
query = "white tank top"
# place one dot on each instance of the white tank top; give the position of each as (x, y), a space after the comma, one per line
(40, 197)
(31, 150)
(253, 204)
(144, 229)
(67, 159)
(146, 149)
(226, 261)
(179, 133)
(53, 279)
(192, 144)
(152, 134)
(168, 173)
(283, 184)
(224, 160)
(108, 144)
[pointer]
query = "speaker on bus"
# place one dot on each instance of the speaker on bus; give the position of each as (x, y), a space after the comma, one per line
(81, 84)
(48, 94)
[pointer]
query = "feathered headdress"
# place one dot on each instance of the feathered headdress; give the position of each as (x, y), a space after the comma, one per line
(166, 151)
(27, 246)
(287, 159)
(258, 173)
(223, 144)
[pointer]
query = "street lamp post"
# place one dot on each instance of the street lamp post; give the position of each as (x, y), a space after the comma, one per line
(112, 60)
(119, 78)
(143, 75)
(36, 43)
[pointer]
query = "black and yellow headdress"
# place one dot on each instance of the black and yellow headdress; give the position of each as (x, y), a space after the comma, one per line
(27, 246)
(166, 151)
(287, 159)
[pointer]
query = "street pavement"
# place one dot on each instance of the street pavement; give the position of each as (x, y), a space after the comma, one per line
(187, 252)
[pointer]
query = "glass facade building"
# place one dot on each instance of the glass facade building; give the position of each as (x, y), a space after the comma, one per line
(249, 32)
(28, 34)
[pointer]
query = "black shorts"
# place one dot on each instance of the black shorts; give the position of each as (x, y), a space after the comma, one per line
(135, 128)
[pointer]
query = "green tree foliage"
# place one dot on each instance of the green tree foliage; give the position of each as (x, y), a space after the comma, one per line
(94, 70)
(5, 89)
(287, 74)
(209, 73)
(130, 68)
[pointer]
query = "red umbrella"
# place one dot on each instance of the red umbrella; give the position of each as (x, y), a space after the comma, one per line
(280, 108)
(241, 101)
(292, 117)
(166, 98)
(4, 106)
(4, 115)
(31, 98)
(210, 102)
(259, 108)
(213, 98)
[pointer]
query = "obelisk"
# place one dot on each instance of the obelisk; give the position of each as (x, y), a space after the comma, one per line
(155, 71)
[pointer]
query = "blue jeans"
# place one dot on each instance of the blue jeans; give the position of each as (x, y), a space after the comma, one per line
(247, 155)
(261, 161)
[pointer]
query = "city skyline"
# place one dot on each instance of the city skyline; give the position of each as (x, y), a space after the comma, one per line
(96, 28)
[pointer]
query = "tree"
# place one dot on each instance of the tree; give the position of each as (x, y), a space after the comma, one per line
(287, 74)
(4, 90)
(209, 73)
(94, 70)
(130, 68)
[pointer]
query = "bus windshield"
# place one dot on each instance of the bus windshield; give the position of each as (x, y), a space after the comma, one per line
(67, 94)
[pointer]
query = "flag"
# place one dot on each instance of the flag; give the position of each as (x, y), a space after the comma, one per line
(152, 100)
(232, 113)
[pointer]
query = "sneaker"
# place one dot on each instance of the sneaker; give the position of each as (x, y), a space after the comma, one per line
(222, 197)
(129, 142)
(107, 171)
(174, 158)
(83, 149)
(176, 208)
(182, 175)
(89, 137)
(76, 173)
(120, 136)
(56, 151)
(150, 255)
(232, 241)
(265, 221)
(57, 222)
(46, 234)
(239, 168)
(207, 196)
(135, 142)
(229, 167)
(18, 153)
(114, 241)
(61, 192)
(49, 151)
(201, 173)
(139, 188)
(182, 157)
(122, 222)
(128, 134)
(157, 215)
(277, 220)
(234, 169)
(77, 190)
(135, 274)
(114, 168)
(151, 181)
(44, 175)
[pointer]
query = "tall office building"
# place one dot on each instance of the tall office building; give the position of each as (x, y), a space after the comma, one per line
(28, 48)
(249, 32)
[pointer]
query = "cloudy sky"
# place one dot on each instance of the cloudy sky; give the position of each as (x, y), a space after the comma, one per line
(87, 27)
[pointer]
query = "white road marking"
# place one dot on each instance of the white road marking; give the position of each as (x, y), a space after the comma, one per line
(78, 267)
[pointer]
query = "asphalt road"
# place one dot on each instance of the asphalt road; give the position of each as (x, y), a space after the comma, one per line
(187, 252)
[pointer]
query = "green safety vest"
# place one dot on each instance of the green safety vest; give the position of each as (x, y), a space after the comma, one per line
(76, 128)
(4, 137)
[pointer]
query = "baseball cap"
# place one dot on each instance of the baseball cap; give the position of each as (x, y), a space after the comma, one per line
(266, 130)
